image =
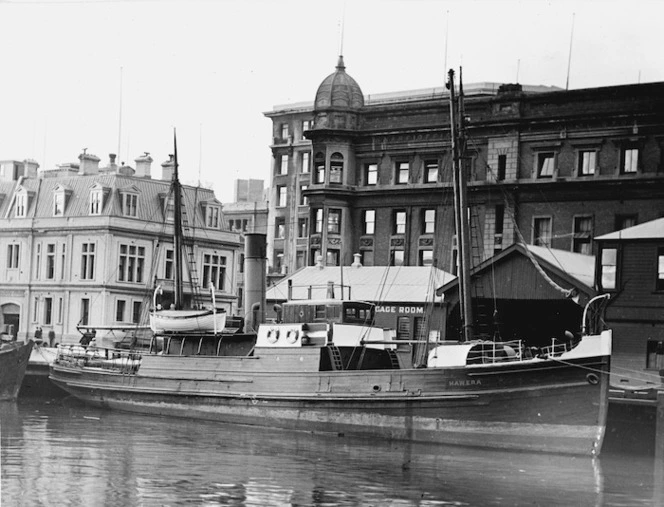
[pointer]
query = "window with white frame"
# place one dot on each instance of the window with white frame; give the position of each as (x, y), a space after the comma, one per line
(48, 311)
(318, 220)
(399, 222)
(212, 216)
(21, 208)
(428, 221)
(120, 306)
(583, 232)
(587, 162)
(431, 171)
(50, 261)
(13, 255)
(371, 174)
(306, 161)
(282, 196)
(168, 264)
(169, 209)
(334, 221)
(630, 160)
(402, 173)
(214, 270)
(87, 261)
(369, 221)
(129, 204)
(59, 203)
(96, 200)
(336, 168)
(131, 263)
(609, 268)
(303, 199)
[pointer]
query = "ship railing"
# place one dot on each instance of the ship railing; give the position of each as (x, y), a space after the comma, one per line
(556, 348)
(489, 352)
(121, 360)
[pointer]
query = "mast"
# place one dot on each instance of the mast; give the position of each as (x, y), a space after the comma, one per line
(177, 228)
(461, 211)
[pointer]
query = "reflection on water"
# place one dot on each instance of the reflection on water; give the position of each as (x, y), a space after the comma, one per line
(64, 453)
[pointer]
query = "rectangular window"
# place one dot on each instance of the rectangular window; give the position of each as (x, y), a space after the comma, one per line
(367, 257)
(38, 261)
(300, 257)
(130, 205)
(50, 261)
(214, 271)
(583, 231)
(136, 312)
(302, 228)
(303, 200)
(60, 310)
(402, 173)
(334, 221)
(320, 170)
(587, 162)
(431, 171)
(120, 310)
(399, 222)
(13, 255)
(283, 165)
(630, 160)
(280, 228)
(58, 204)
(21, 205)
(625, 221)
(318, 220)
(369, 221)
(500, 218)
(306, 125)
(371, 174)
(502, 167)
(95, 202)
(426, 257)
(63, 258)
(284, 131)
(168, 265)
(48, 311)
(212, 218)
(428, 221)
(545, 165)
(35, 310)
(132, 260)
(609, 268)
(282, 196)
(332, 257)
(396, 258)
(169, 210)
(306, 162)
(85, 311)
(542, 231)
(87, 261)
(336, 168)
(659, 283)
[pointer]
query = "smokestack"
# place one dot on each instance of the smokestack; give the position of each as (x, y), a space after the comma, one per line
(255, 262)
(143, 165)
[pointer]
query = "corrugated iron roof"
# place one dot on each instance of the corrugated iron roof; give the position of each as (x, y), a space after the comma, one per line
(579, 266)
(648, 230)
(408, 284)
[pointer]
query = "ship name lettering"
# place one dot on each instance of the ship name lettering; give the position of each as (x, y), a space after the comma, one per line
(464, 383)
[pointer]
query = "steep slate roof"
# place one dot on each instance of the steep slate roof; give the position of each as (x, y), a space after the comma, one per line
(648, 230)
(408, 284)
(150, 201)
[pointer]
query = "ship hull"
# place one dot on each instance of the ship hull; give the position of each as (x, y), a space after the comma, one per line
(13, 363)
(543, 406)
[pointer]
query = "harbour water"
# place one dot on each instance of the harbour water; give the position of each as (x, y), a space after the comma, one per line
(57, 452)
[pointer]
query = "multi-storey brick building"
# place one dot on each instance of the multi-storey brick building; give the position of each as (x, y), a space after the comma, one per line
(373, 174)
(86, 245)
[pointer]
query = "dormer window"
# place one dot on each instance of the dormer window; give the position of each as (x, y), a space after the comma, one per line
(60, 197)
(212, 216)
(169, 210)
(130, 204)
(96, 200)
(21, 207)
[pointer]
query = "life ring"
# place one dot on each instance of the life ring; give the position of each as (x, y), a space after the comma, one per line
(273, 335)
(292, 336)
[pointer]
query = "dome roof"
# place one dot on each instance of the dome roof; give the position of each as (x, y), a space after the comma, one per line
(339, 90)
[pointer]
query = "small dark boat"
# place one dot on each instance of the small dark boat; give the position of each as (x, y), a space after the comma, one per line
(14, 358)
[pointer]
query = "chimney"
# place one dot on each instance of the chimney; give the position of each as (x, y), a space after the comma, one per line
(167, 168)
(143, 165)
(319, 262)
(30, 168)
(356, 261)
(112, 166)
(89, 163)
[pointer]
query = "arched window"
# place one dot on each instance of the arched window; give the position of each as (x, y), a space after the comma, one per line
(319, 167)
(336, 168)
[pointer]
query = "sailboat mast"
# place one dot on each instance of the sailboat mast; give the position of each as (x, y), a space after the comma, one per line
(177, 228)
(461, 214)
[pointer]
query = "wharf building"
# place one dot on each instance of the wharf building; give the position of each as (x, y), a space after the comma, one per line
(86, 245)
(372, 175)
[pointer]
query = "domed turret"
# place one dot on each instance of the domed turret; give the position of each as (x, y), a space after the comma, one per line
(337, 98)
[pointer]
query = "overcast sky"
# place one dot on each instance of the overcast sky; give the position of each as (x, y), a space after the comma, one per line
(212, 68)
